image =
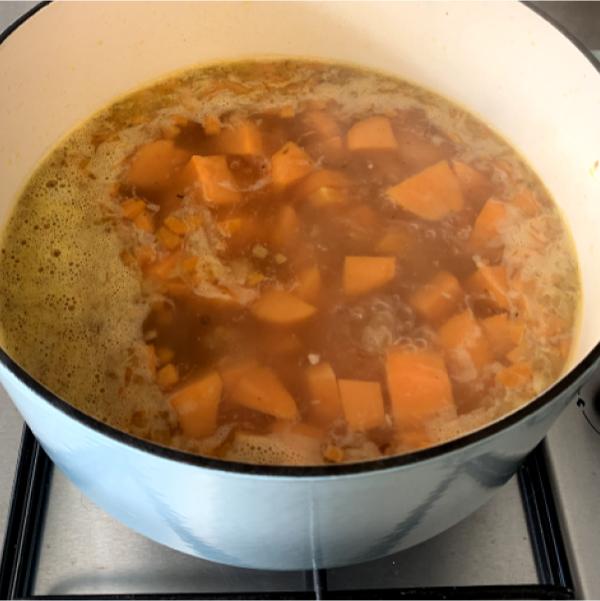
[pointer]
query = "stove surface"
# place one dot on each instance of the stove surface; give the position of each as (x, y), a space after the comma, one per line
(81, 550)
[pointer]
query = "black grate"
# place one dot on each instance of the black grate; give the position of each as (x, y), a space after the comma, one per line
(26, 522)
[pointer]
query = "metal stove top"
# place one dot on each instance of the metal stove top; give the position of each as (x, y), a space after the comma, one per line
(537, 538)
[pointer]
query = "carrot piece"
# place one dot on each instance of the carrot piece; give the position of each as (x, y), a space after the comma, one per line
(176, 225)
(168, 239)
(518, 375)
(438, 298)
(286, 228)
(467, 349)
(260, 389)
(289, 164)
(418, 152)
(418, 386)
(362, 403)
(363, 274)
(281, 308)
(197, 405)
(322, 385)
(167, 376)
(488, 226)
(431, 194)
(491, 281)
(243, 138)
(164, 355)
(502, 333)
(232, 371)
(474, 185)
(308, 285)
(132, 207)
(372, 133)
(153, 164)
(145, 222)
(526, 202)
(211, 125)
(211, 176)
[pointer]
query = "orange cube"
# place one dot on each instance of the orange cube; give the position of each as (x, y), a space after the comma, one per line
(364, 274)
(503, 334)
(488, 226)
(281, 308)
(438, 298)
(372, 133)
(324, 397)
(211, 176)
(492, 282)
(242, 138)
(154, 164)
(289, 164)
(362, 403)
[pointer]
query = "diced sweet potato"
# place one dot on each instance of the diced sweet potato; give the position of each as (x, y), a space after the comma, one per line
(438, 298)
(372, 133)
(362, 403)
(281, 308)
(176, 225)
(308, 285)
(490, 281)
(526, 202)
(168, 239)
(474, 185)
(212, 177)
(232, 371)
(241, 138)
(197, 405)
(502, 333)
(324, 397)
(289, 164)
(260, 389)
(144, 221)
(132, 207)
(167, 376)
(431, 194)
(488, 226)
(518, 375)
(418, 152)
(153, 164)
(467, 348)
(285, 229)
(418, 386)
(364, 274)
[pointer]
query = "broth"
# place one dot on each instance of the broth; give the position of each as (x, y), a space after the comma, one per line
(288, 262)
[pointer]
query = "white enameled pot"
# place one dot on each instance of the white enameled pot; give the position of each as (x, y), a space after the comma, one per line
(501, 60)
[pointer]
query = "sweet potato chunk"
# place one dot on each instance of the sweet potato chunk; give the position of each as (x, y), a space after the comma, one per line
(438, 298)
(364, 274)
(260, 389)
(132, 207)
(518, 375)
(197, 405)
(431, 194)
(362, 403)
(474, 185)
(372, 133)
(488, 227)
(241, 138)
(324, 397)
(153, 164)
(285, 229)
(308, 284)
(491, 281)
(467, 349)
(289, 164)
(211, 176)
(502, 333)
(232, 371)
(418, 386)
(281, 308)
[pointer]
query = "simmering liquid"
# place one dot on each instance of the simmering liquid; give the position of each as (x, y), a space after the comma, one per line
(288, 262)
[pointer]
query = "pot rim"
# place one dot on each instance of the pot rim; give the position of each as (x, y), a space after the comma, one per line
(365, 467)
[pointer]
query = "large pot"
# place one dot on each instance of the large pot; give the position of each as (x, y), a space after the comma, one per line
(500, 60)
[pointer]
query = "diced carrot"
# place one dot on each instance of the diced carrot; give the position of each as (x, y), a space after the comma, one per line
(168, 239)
(242, 138)
(281, 308)
(418, 152)
(152, 358)
(176, 225)
(145, 222)
(260, 389)
(324, 397)
(153, 164)
(431, 194)
(132, 207)
(474, 185)
(488, 226)
(308, 285)
(364, 274)
(418, 386)
(362, 403)
(286, 228)
(526, 202)
(502, 333)
(518, 375)
(197, 405)
(372, 133)
(211, 125)
(438, 298)
(212, 176)
(164, 355)
(491, 281)
(467, 349)
(323, 178)
(167, 376)
(232, 371)
(289, 164)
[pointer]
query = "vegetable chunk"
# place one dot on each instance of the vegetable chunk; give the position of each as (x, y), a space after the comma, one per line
(373, 133)
(363, 274)
(289, 164)
(363, 404)
(153, 164)
(438, 298)
(322, 385)
(211, 175)
(281, 308)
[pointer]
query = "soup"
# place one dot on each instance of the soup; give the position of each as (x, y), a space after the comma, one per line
(288, 262)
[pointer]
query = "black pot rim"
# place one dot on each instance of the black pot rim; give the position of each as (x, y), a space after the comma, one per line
(569, 380)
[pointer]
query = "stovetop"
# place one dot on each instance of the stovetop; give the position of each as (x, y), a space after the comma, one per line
(537, 538)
